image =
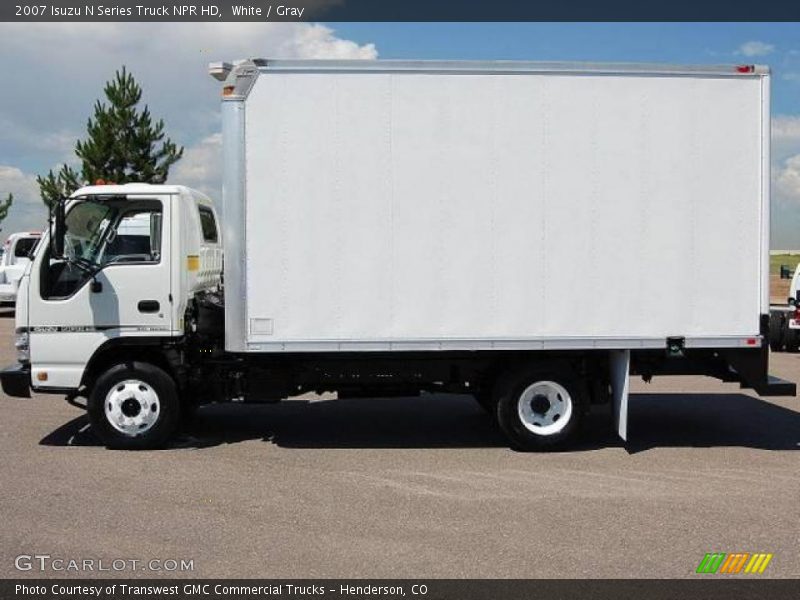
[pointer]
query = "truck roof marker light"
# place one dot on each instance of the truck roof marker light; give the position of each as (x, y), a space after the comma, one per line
(100, 182)
(745, 68)
(228, 90)
(219, 70)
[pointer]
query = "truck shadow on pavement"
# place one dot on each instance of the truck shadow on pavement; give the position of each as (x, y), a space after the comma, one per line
(656, 420)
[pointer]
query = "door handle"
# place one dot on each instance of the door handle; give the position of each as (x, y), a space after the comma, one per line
(149, 306)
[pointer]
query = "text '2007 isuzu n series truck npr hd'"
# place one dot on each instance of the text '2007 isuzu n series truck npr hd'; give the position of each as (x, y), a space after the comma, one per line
(529, 233)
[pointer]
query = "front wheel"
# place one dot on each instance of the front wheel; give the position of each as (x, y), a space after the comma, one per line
(134, 406)
(539, 408)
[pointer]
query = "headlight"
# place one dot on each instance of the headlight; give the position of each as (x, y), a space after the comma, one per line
(22, 344)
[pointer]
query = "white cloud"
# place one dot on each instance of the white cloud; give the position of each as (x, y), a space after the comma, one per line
(28, 210)
(786, 127)
(786, 179)
(14, 181)
(59, 70)
(755, 48)
(200, 166)
(785, 138)
(61, 142)
(318, 41)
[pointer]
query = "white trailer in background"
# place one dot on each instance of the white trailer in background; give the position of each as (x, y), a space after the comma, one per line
(17, 252)
(530, 233)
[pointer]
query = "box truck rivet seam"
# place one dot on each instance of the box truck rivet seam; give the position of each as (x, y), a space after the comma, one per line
(392, 228)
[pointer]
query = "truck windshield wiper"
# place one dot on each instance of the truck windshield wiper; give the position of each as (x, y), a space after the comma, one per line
(83, 264)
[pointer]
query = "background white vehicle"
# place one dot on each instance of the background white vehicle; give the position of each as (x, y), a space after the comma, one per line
(398, 227)
(784, 321)
(17, 252)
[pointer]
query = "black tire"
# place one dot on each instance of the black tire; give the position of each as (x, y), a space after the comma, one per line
(514, 385)
(152, 380)
(776, 332)
(791, 337)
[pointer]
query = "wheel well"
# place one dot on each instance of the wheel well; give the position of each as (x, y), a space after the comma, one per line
(590, 369)
(120, 351)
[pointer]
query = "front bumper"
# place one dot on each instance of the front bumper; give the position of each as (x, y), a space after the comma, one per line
(16, 380)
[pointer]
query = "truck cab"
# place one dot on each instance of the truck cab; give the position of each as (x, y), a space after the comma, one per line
(17, 252)
(135, 257)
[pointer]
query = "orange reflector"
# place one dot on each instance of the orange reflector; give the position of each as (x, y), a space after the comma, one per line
(228, 90)
(41, 376)
(193, 262)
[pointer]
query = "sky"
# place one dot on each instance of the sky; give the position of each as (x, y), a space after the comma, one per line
(54, 72)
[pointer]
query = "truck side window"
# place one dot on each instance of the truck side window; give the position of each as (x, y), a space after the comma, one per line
(136, 238)
(208, 224)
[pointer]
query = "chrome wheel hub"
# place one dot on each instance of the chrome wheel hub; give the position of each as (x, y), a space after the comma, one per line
(132, 407)
(545, 407)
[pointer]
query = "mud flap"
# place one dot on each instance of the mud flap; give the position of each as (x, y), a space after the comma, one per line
(619, 364)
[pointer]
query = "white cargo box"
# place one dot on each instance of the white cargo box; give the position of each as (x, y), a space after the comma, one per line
(443, 206)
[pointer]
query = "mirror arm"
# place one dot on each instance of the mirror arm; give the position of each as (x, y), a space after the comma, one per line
(59, 229)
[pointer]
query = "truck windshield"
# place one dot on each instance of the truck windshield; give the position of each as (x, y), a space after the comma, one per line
(86, 225)
(102, 232)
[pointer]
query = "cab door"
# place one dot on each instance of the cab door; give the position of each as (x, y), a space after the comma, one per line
(71, 314)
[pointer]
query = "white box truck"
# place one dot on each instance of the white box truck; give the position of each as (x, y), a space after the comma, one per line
(528, 233)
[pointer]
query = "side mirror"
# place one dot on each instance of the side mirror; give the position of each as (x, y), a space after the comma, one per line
(59, 229)
(786, 272)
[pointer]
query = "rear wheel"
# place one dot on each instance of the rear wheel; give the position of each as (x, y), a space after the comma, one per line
(540, 408)
(791, 337)
(134, 406)
(776, 332)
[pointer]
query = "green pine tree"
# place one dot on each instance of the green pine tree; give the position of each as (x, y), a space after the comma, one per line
(4, 206)
(124, 144)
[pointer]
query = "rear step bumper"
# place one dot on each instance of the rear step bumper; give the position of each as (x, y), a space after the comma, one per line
(775, 386)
